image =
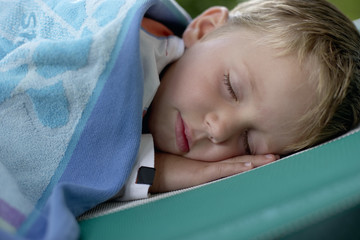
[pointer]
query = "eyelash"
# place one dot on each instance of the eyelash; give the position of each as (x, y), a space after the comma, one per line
(246, 143)
(229, 87)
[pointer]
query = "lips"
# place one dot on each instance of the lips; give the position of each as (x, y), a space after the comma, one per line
(181, 138)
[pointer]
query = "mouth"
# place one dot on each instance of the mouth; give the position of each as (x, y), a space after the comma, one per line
(182, 141)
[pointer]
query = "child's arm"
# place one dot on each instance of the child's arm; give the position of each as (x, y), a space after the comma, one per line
(174, 172)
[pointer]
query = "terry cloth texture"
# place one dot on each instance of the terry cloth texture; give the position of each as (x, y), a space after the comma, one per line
(71, 87)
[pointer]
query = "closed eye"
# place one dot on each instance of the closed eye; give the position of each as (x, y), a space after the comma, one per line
(246, 143)
(229, 87)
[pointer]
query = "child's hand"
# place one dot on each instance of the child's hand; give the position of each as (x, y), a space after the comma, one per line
(174, 172)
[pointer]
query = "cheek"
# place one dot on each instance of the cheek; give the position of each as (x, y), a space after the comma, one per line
(194, 92)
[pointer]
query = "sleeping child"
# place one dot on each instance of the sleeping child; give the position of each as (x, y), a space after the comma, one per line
(267, 79)
(92, 108)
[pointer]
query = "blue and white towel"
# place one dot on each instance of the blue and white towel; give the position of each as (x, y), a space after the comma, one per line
(71, 88)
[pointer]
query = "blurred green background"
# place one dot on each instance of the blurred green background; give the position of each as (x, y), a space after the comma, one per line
(351, 8)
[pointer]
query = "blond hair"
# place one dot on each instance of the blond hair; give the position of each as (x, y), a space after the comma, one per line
(314, 29)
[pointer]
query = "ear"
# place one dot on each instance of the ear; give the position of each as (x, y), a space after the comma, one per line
(206, 22)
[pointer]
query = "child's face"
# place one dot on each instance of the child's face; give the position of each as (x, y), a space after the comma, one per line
(230, 96)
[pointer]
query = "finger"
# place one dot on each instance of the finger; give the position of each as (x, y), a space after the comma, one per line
(224, 169)
(260, 160)
(237, 165)
(256, 160)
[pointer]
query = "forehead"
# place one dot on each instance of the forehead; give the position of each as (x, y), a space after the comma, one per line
(283, 87)
(269, 68)
(285, 94)
(273, 73)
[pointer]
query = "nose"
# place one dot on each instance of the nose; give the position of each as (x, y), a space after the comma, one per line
(219, 128)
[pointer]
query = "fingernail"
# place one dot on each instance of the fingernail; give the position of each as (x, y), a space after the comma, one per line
(272, 157)
(248, 164)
